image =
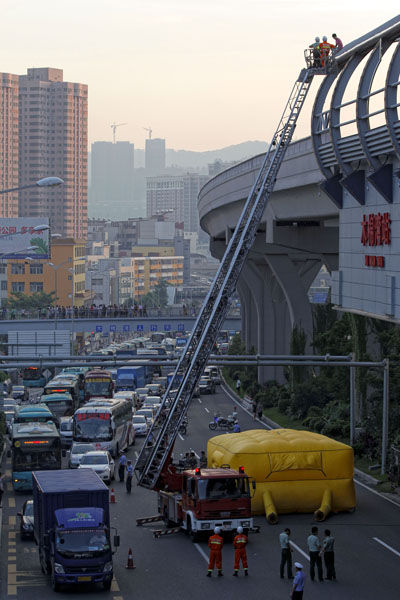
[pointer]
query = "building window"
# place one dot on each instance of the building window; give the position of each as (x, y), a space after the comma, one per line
(3, 268)
(17, 269)
(17, 286)
(36, 269)
(36, 286)
(3, 285)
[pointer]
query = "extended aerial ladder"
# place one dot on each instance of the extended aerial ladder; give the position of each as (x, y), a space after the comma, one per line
(159, 443)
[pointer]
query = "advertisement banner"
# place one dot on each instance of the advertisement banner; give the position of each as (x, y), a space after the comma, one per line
(24, 237)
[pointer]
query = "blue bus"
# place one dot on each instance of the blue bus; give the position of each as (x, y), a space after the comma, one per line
(35, 447)
(33, 377)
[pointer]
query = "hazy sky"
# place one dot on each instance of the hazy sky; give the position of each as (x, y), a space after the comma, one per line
(203, 73)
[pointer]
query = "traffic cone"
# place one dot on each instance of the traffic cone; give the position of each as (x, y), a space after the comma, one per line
(112, 497)
(130, 564)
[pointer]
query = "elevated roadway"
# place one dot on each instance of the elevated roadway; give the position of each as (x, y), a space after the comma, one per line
(321, 176)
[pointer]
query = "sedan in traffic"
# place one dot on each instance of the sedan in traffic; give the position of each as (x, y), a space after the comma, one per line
(139, 423)
(77, 452)
(26, 520)
(101, 463)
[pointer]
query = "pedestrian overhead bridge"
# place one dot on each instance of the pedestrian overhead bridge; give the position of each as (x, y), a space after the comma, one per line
(300, 228)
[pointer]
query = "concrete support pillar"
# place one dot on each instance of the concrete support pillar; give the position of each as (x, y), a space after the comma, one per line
(295, 278)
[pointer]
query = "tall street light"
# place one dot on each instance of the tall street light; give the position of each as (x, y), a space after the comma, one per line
(45, 182)
(55, 269)
(72, 296)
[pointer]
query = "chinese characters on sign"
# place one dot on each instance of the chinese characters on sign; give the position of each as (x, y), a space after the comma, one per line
(375, 231)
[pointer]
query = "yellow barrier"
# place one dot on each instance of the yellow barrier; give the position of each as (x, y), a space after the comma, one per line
(295, 471)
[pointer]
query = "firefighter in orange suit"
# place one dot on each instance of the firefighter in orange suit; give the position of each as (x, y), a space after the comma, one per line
(325, 47)
(240, 543)
(215, 543)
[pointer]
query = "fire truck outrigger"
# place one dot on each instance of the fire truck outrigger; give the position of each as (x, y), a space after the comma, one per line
(187, 498)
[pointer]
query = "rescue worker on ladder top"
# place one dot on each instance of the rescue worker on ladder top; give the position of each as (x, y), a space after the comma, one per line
(240, 543)
(316, 53)
(325, 47)
(215, 543)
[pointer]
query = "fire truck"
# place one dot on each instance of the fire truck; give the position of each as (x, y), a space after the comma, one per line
(197, 500)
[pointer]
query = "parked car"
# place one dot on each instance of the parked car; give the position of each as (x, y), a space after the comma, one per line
(206, 385)
(9, 417)
(20, 392)
(66, 424)
(139, 423)
(77, 452)
(101, 462)
(26, 520)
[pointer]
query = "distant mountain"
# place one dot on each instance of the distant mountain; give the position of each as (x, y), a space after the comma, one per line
(199, 160)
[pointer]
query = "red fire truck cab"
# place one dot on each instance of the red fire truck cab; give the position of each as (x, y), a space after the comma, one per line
(200, 499)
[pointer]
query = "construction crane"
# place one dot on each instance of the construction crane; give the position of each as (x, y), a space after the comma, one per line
(153, 461)
(114, 128)
(149, 129)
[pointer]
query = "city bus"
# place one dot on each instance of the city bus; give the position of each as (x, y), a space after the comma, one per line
(59, 385)
(99, 384)
(34, 413)
(60, 404)
(34, 447)
(106, 423)
(33, 377)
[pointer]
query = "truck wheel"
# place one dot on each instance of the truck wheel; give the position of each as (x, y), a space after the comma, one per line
(107, 585)
(54, 584)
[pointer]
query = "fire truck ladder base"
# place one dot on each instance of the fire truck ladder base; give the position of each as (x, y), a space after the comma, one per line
(160, 532)
(145, 520)
(158, 446)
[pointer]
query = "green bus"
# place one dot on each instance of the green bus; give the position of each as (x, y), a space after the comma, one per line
(34, 413)
(34, 447)
(61, 405)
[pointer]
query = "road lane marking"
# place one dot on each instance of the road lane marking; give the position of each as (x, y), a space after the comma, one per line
(12, 535)
(11, 568)
(296, 547)
(9, 487)
(11, 590)
(200, 402)
(11, 503)
(386, 546)
(12, 520)
(182, 438)
(206, 409)
(376, 493)
(12, 579)
(201, 551)
(114, 585)
(136, 453)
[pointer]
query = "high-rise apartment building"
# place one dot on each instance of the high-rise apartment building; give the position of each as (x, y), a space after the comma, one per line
(176, 197)
(43, 132)
(9, 127)
(164, 194)
(111, 190)
(155, 155)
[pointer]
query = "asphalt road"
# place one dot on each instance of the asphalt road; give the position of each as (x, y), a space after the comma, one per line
(172, 567)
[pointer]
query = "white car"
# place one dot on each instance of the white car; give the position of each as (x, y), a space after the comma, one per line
(139, 423)
(77, 452)
(101, 462)
(127, 395)
(147, 413)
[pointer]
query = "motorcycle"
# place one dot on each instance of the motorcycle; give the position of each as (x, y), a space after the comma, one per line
(221, 423)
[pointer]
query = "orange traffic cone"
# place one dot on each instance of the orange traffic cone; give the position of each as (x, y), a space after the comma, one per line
(112, 497)
(129, 564)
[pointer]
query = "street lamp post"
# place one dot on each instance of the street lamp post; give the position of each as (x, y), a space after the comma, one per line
(71, 270)
(55, 269)
(45, 182)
